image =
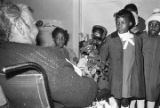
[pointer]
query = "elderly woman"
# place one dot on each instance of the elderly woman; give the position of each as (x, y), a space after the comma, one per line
(67, 88)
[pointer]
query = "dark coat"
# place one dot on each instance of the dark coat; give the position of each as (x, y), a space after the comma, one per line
(66, 86)
(113, 51)
(151, 52)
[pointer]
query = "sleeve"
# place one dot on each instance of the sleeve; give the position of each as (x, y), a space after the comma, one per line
(73, 90)
(104, 51)
(142, 37)
(67, 87)
(72, 56)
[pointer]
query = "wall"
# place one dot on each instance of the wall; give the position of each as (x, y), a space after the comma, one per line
(52, 9)
(101, 12)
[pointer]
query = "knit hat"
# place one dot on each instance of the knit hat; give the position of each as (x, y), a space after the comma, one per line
(100, 28)
(154, 17)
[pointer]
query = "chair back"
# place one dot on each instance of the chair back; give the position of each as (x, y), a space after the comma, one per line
(26, 90)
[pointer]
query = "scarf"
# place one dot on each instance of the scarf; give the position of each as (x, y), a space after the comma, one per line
(127, 38)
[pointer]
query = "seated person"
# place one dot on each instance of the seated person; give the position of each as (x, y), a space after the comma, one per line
(61, 37)
(67, 87)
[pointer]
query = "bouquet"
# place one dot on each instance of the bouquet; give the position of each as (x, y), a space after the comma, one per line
(89, 62)
(104, 104)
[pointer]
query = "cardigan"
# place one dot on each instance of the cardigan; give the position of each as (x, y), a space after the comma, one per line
(67, 87)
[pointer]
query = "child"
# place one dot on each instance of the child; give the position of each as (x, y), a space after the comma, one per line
(137, 29)
(123, 50)
(61, 37)
(90, 60)
(139, 21)
(99, 34)
(151, 51)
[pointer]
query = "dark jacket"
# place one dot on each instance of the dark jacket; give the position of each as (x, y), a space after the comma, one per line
(66, 86)
(113, 51)
(151, 52)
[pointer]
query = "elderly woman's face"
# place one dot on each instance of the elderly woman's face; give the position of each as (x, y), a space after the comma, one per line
(154, 28)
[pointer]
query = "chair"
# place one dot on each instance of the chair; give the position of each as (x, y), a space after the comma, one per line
(24, 87)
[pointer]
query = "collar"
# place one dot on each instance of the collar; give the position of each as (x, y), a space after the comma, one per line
(126, 35)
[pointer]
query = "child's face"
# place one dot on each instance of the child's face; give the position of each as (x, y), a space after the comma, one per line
(154, 28)
(122, 25)
(60, 40)
(97, 34)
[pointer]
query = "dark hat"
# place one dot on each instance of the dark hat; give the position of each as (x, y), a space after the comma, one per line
(101, 29)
